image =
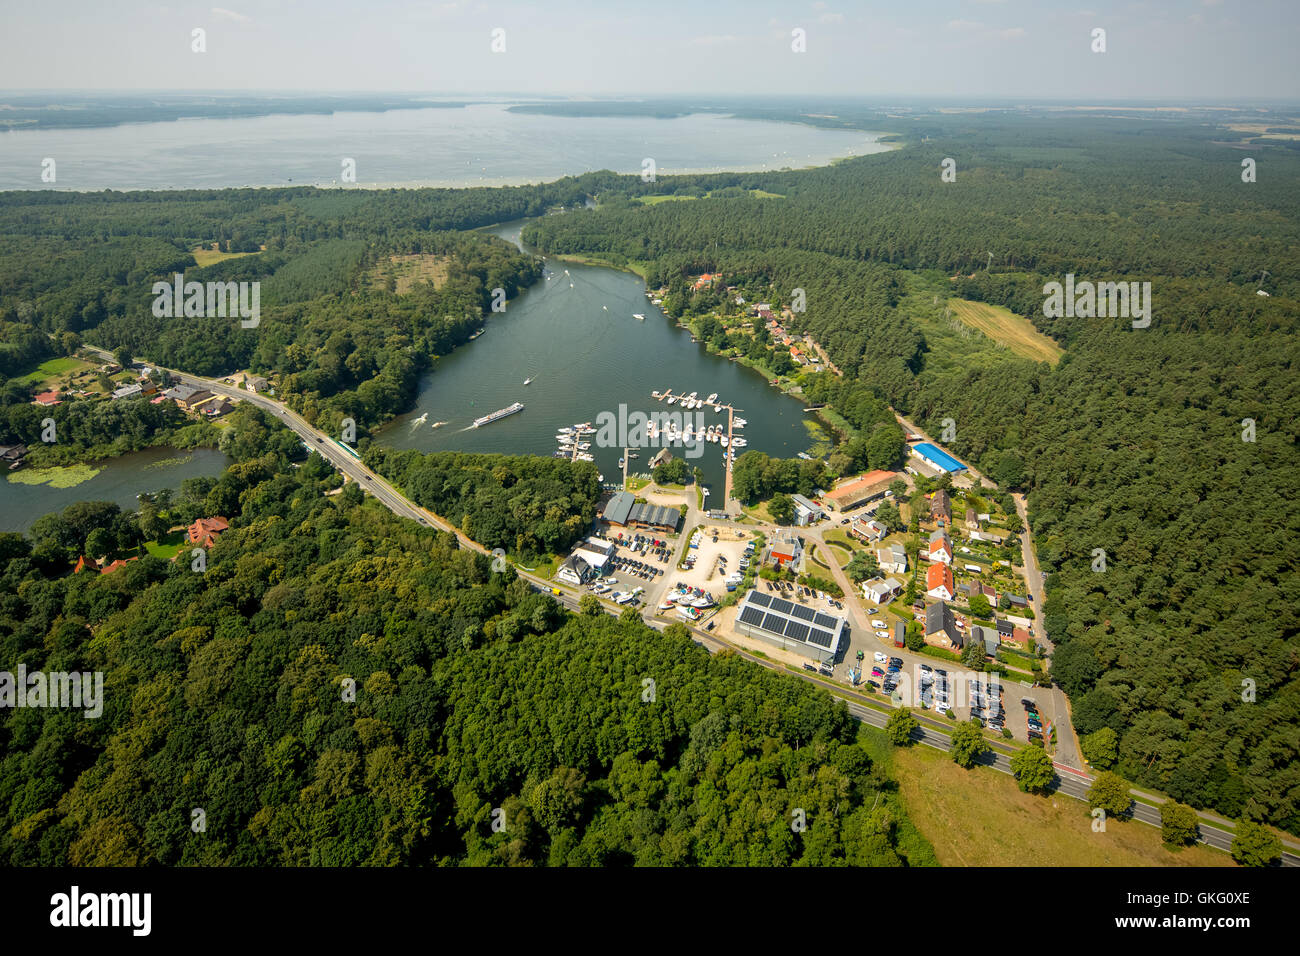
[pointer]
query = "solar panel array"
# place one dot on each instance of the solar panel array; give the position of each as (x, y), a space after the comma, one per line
(782, 618)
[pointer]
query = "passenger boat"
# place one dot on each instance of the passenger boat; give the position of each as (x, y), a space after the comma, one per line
(499, 414)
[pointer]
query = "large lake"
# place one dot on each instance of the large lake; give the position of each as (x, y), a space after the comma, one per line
(478, 145)
(119, 480)
(575, 336)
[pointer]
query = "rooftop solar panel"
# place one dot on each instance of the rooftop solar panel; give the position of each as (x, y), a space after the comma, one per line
(825, 620)
(802, 613)
(819, 637)
(759, 598)
(781, 605)
(774, 623)
(752, 616)
(796, 631)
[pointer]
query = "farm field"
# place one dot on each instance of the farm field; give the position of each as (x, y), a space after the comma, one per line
(48, 372)
(407, 270)
(1001, 325)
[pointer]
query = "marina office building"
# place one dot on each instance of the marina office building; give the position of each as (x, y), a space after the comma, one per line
(624, 511)
(791, 626)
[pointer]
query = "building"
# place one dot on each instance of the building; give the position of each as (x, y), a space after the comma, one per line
(624, 511)
(972, 522)
(940, 547)
(859, 491)
(892, 559)
(204, 532)
(783, 548)
(119, 563)
(868, 529)
(937, 458)
(190, 398)
(806, 512)
(900, 634)
(47, 399)
(986, 536)
(574, 570)
(939, 583)
(791, 626)
(878, 592)
(216, 407)
(988, 637)
(596, 552)
(1016, 600)
(255, 383)
(179, 392)
(941, 627)
(941, 508)
(1005, 630)
(130, 390)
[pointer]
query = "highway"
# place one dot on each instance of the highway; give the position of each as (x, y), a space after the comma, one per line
(931, 732)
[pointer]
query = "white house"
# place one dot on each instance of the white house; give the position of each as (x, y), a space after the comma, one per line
(940, 547)
(893, 559)
(878, 592)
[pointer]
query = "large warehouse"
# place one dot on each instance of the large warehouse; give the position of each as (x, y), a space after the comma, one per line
(937, 458)
(624, 511)
(791, 626)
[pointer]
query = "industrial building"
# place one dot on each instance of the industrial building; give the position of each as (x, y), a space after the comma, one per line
(624, 511)
(869, 487)
(791, 626)
(936, 458)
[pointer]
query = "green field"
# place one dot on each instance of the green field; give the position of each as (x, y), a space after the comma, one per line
(53, 369)
(207, 257)
(1002, 325)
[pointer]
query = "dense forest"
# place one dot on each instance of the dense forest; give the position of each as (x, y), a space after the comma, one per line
(342, 687)
(532, 507)
(1137, 443)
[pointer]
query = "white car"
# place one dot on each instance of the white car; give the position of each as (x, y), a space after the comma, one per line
(877, 624)
(882, 634)
(880, 658)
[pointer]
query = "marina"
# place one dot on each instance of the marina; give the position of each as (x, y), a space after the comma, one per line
(583, 359)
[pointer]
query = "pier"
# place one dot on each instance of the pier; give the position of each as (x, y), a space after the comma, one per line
(667, 393)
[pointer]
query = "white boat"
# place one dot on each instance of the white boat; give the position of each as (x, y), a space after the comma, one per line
(712, 398)
(437, 424)
(738, 423)
(724, 440)
(638, 315)
(718, 409)
(671, 399)
(528, 381)
(421, 420)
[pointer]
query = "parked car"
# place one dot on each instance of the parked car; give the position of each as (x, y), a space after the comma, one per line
(880, 658)
(877, 623)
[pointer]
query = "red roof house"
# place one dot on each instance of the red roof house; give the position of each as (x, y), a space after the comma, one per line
(204, 531)
(938, 582)
(47, 398)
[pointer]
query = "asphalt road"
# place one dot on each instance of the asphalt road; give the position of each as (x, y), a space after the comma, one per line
(1070, 782)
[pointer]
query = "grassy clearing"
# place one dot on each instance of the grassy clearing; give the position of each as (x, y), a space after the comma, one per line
(655, 200)
(207, 257)
(980, 818)
(56, 368)
(1002, 325)
(407, 270)
(166, 547)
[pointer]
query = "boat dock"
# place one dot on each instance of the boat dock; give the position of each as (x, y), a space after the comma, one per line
(689, 401)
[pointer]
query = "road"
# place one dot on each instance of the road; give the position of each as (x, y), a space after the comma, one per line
(1071, 782)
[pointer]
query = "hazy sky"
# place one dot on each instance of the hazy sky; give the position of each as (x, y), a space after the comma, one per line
(1157, 49)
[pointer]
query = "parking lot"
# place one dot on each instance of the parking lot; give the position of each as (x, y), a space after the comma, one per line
(712, 560)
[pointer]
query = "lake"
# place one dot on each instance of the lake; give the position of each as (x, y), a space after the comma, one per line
(479, 145)
(119, 480)
(575, 336)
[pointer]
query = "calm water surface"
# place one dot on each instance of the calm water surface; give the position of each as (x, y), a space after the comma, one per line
(575, 336)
